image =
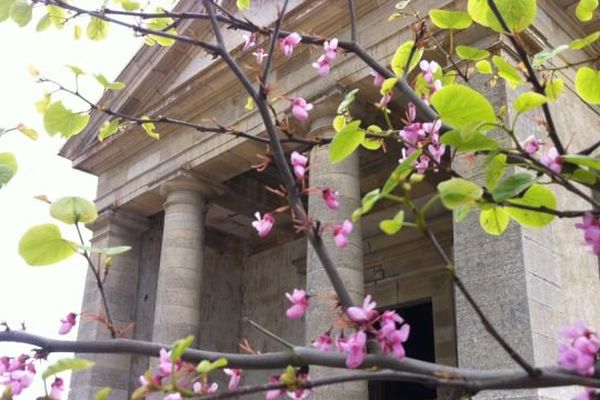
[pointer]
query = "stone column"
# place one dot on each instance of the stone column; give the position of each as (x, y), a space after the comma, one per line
(110, 229)
(345, 178)
(177, 312)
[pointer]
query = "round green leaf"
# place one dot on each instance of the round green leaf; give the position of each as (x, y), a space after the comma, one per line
(518, 14)
(585, 9)
(445, 19)
(587, 84)
(72, 210)
(59, 119)
(345, 142)
(5, 6)
(513, 185)
(484, 67)
(97, 29)
(44, 245)
(508, 72)
(586, 41)
(536, 196)
(471, 53)
(528, 101)
(494, 221)
(463, 108)
(401, 56)
(457, 192)
(496, 166)
(21, 12)
(553, 89)
(8, 167)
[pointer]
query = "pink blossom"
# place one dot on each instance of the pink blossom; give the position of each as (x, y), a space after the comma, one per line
(428, 69)
(341, 233)
(260, 55)
(288, 43)
(552, 160)
(322, 65)
(365, 313)
(385, 100)
(331, 198)
(299, 300)
(67, 323)
(236, 376)
(531, 145)
(300, 108)
(422, 164)
(323, 342)
(355, 349)
(331, 48)
(388, 322)
(263, 225)
(393, 342)
(21, 379)
(249, 41)
(377, 79)
(274, 394)
(165, 366)
(591, 231)
(56, 389)
(173, 396)
(579, 349)
(299, 162)
(207, 388)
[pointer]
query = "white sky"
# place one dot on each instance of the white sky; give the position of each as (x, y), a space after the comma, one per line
(41, 296)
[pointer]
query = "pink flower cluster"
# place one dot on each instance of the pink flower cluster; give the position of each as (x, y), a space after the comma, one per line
(387, 328)
(591, 231)
(323, 64)
(428, 68)
(18, 373)
(341, 233)
(579, 349)
(418, 135)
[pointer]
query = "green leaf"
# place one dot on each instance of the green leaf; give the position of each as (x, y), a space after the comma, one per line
(587, 84)
(27, 131)
(463, 108)
(339, 122)
(457, 192)
(583, 176)
(206, 366)
(494, 220)
(67, 364)
(8, 167)
(546, 55)
(388, 85)
(44, 245)
(5, 6)
(476, 142)
(518, 14)
(102, 394)
(484, 67)
(345, 142)
(536, 196)
(249, 104)
(554, 89)
(244, 4)
(392, 226)
(57, 16)
(150, 128)
(371, 144)
(508, 72)
(462, 212)
(72, 210)
(513, 185)
(445, 19)
(107, 84)
(160, 24)
(586, 41)
(347, 101)
(471, 53)
(109, 128)
(585, 9)
(180, 346)
(76, 70)
(21, 12)
(496, 166)
(401, 172)
(43, 24)
(109, 251)
(59, 119)
(368, 202)
(528, 101)
(129, 5)
(42, 105)
(401, 56)
(587, 161)
(97, 29)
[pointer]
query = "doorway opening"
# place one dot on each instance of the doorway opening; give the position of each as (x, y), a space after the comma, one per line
(420, 345)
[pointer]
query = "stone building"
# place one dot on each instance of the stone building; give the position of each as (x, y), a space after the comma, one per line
(185, 204)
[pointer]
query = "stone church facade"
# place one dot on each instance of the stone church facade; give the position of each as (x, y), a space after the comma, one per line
(185, 204)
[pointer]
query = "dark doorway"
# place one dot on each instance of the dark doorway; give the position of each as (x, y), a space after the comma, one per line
(420, 345)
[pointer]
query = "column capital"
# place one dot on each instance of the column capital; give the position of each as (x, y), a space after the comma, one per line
(183, 180)
(120, 223)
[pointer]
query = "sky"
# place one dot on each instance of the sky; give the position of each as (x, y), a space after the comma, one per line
(41, 296)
